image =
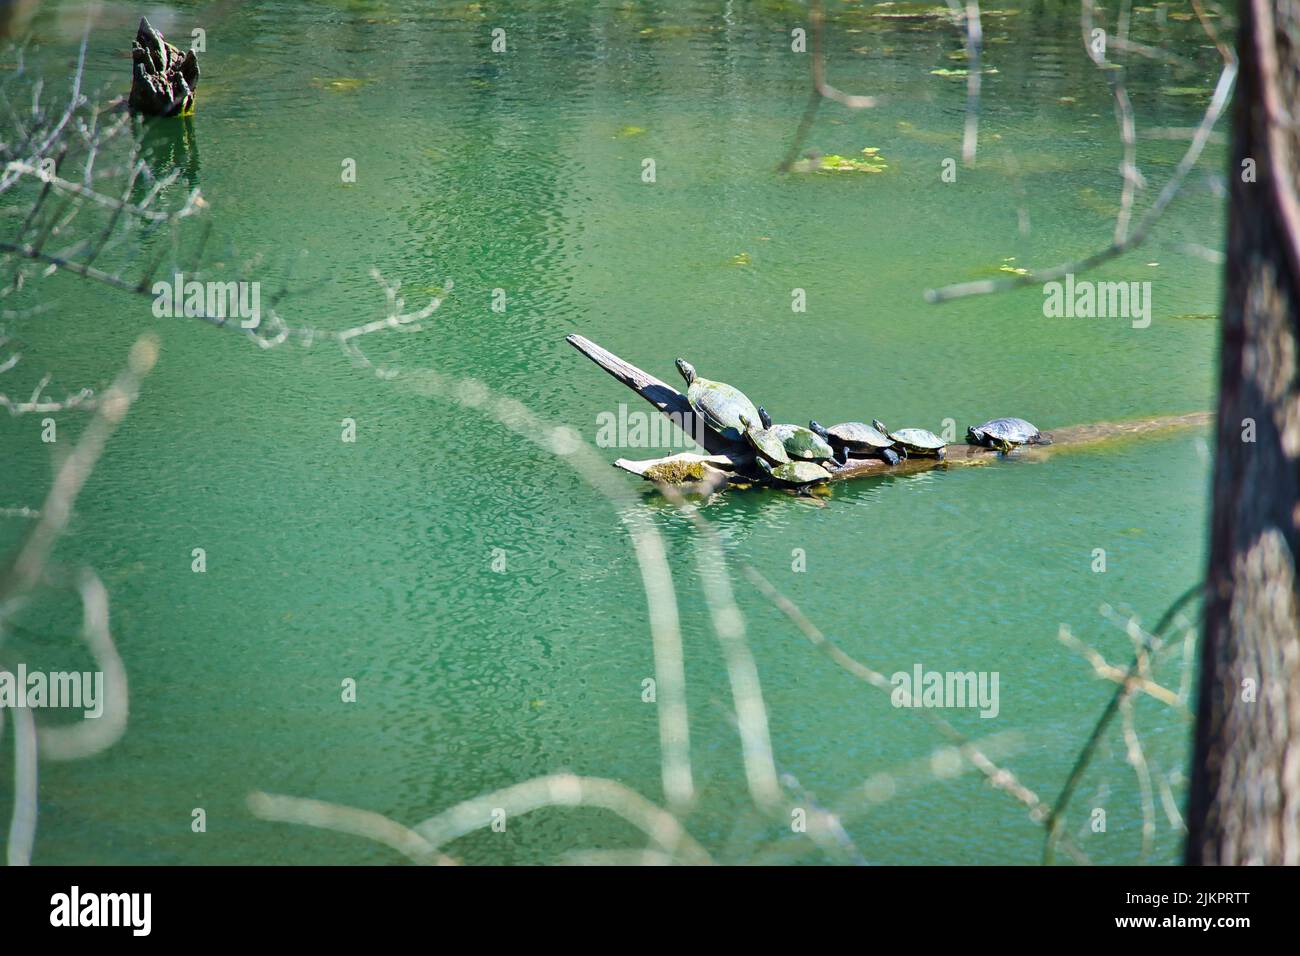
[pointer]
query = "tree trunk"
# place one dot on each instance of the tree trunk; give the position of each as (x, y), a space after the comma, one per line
(1244, 803)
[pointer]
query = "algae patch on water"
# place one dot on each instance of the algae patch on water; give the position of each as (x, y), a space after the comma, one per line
(868, 161)
(945, 71)
(342, 84)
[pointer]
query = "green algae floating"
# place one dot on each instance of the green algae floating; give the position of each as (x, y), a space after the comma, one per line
(944, 71)
(343, 84)
(868, 161)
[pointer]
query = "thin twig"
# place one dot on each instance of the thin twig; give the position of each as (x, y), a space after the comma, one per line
(1218, 101)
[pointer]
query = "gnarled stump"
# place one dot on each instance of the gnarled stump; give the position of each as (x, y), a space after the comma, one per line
(163, 78)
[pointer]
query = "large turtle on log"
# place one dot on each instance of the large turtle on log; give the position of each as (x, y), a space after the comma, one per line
(722, 406)
(163, 79)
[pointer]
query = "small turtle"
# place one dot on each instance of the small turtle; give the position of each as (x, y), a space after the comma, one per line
(765, 441)
(915, 441)
(799, 442)
(858, 439)
(795, 474)
(1005, 434)
(720, 405)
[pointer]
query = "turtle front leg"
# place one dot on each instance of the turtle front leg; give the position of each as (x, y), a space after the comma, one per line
(890, 456)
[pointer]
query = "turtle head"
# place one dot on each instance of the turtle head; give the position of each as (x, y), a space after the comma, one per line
(687, 370)
(819, 431)
(764, 417)
(974, 436)
(879, 426)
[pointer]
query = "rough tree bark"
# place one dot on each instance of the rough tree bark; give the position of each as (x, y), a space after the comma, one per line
(1245, 784)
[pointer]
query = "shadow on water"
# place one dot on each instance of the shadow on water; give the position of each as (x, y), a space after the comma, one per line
(740, 512)
(168, 144)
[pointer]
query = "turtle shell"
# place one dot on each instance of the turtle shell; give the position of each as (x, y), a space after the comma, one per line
(859, 436)
(798, 473)
(918, 438)
(765, 441)
(1015, 430)
(803, 443)
(721, 406)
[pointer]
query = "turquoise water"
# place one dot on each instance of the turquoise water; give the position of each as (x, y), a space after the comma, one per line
(522, 171)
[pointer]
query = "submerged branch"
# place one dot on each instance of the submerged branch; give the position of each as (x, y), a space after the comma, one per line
(1122, 241)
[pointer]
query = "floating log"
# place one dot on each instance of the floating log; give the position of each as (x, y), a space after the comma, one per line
(728, 456)
(662, 396)
(163, 78)
(702, 474)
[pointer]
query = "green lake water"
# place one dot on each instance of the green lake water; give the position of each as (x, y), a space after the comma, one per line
(522, 171)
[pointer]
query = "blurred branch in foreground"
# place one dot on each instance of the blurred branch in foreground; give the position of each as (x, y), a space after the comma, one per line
(821, 90)
(29, 569)
(1136, 679)
(90, 202)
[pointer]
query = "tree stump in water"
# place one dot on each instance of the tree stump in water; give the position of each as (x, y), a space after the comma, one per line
(163, 78)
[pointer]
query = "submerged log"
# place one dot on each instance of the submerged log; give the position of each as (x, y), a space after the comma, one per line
(163, 78)
(672, 402)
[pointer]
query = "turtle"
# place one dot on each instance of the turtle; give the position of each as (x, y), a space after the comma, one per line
(915, 441)
(765, 441)
(795, 474)
(799, 442)
(720, 405)
(1005, 434)
(859, 439)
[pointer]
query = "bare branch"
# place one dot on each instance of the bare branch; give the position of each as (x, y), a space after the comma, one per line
(341, 819)
(27, 565)
(566, 790)
(1222, 91)
(22, 825)
(970, 18)
(820, 88)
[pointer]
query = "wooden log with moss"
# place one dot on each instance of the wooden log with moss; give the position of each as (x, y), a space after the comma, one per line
(735, 462)
(163, 79)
